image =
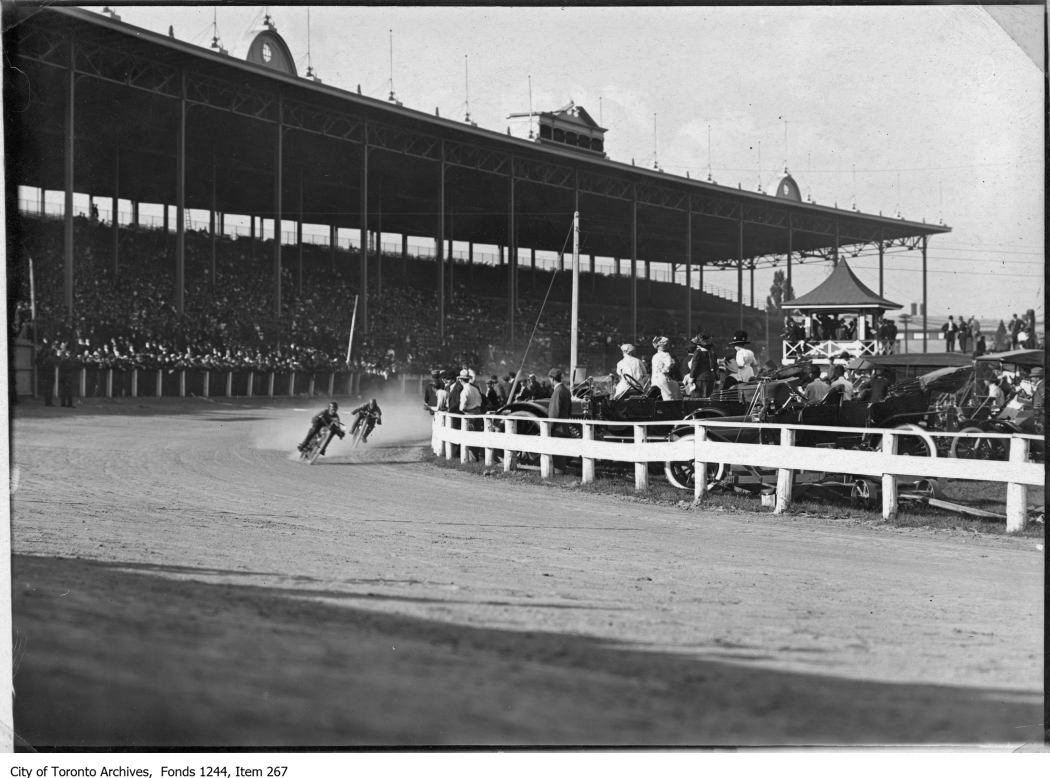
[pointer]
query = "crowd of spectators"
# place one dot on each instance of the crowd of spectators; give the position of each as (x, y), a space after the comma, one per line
(126, 317)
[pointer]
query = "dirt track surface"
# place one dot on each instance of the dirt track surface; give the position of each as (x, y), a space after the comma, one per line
(180, 581)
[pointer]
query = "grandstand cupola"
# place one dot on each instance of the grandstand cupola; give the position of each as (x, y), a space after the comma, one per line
(572, 126)
(269, 50)
(788, 189)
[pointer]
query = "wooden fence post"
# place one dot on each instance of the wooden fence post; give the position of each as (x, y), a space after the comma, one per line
(134, 381)
(269, 385)
(641, 469)
(889, 481)
(182, 383)
(785, 476)
(510, 458)
(1017, 494)
(229, 383)
(312, 386)
(546, 460)
(250, 389)
(109, 383)
(83, 382)
(489, 453)
(291, 384)
(464, 449)
(587, 472)
(160, 383)
(699, 468)
(331, 385)
(207, 383)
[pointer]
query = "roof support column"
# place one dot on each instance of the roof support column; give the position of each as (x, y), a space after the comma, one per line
(689, 269)
(740, 265)
(278, 184)
(379, 246)
(881, 293)
(925, 307)
(634, 263)
(441, 246)
(332, 239)
(67, 244)
(116, 214)
(512, 258)
(364, 234)
(214, 224)
(752, 296)
(299, 232)
(180, 202)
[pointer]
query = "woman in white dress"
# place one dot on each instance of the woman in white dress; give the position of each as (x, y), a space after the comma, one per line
(629, 367)
(746, 364)
(662, 364)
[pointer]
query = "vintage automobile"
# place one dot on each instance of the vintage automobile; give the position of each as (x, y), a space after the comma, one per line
(1016, 416)
(911, 405)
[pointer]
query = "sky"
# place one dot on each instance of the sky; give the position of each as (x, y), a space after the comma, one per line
(931, 111)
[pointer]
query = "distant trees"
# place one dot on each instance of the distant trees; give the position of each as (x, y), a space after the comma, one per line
(779, 292)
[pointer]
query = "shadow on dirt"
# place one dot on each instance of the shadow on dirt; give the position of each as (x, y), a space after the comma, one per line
(107, 655)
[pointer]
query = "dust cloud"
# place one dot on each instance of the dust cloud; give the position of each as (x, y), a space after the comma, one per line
(405, 422)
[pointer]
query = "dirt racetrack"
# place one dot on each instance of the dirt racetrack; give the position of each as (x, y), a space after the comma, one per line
(179, 581)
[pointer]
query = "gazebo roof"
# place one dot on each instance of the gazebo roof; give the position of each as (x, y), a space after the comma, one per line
(841, 291)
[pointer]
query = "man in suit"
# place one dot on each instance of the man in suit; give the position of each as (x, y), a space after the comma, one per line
(703, 367)
(560, 408)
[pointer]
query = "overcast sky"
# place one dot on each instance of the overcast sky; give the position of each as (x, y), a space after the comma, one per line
(934, 111)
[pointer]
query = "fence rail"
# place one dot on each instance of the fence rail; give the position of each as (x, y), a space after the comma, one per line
(698, 448)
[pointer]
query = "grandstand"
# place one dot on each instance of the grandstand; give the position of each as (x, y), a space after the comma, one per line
(141, 119)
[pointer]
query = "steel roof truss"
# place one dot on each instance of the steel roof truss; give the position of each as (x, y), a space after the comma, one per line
(238, 99)
(476, 158)
(412, 144)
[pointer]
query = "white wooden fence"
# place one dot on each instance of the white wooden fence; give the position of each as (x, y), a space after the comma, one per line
(1018, 473)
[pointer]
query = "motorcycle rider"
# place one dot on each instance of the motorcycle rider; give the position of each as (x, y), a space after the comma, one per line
(370, 415)
(328, 418)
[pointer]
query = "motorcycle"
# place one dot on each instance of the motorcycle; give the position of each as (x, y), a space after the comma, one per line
(320, 441)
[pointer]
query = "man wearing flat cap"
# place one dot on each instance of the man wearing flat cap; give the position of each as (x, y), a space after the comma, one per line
(628, 368)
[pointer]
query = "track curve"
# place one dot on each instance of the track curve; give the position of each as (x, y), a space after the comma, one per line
(524, 614)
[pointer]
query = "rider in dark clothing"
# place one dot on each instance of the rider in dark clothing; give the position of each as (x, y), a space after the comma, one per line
(370, 414)
(329, 417)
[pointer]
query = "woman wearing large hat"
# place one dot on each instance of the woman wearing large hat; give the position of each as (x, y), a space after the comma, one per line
(746, 364)
(663, 363)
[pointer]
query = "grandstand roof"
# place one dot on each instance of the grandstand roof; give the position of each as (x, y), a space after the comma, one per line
(132, 86)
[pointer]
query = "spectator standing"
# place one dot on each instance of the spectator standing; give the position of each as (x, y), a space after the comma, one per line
(979, 346)
(67, 368)
(949, 328)
(1014, 328)
(662, 365)
(1002, 337)
(560, 408)
(45, 372)
(975, 331)
(703, 367)
(964, 335)
(493, 396)
(746, 364)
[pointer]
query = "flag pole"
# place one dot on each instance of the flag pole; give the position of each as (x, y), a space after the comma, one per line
(573, 349)
(353, 321)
